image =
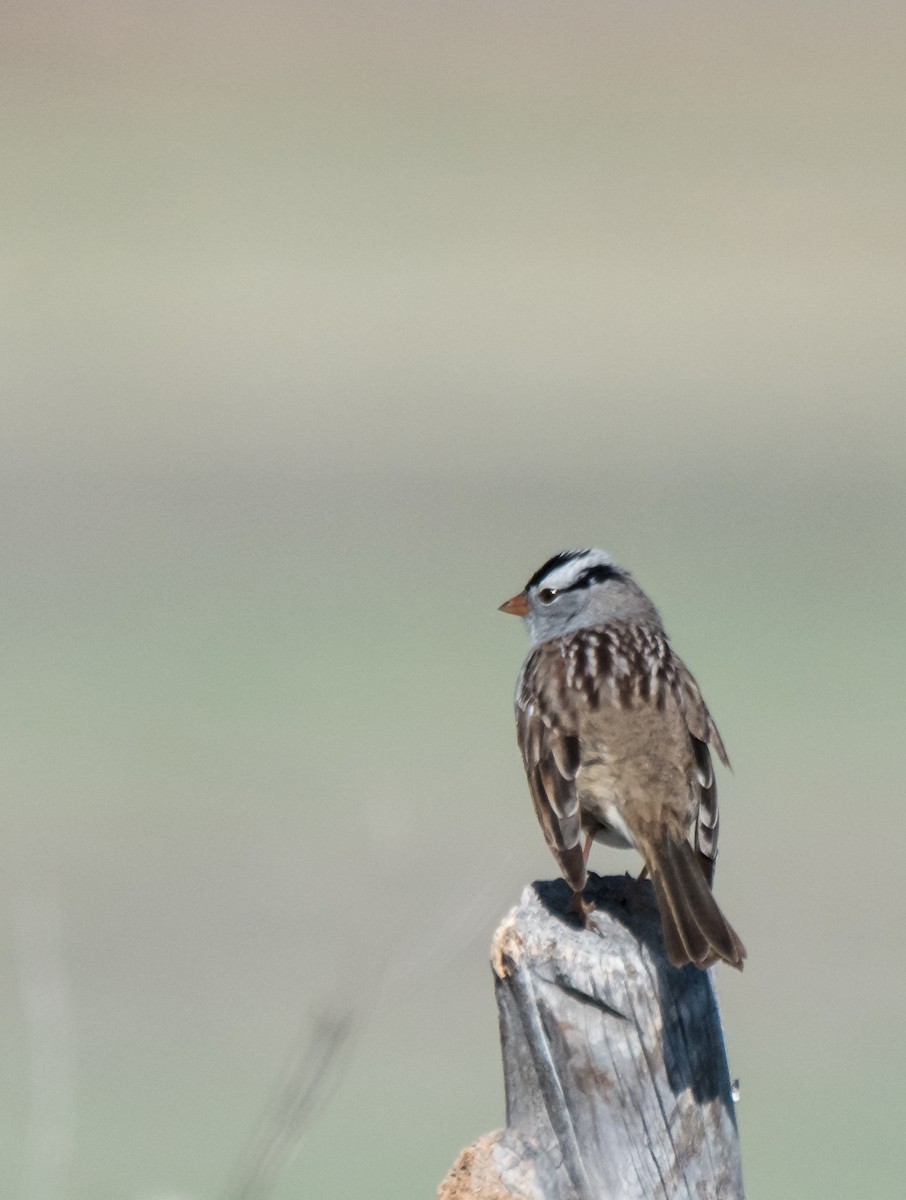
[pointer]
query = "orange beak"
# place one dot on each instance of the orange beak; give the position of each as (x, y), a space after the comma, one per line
(517, 606)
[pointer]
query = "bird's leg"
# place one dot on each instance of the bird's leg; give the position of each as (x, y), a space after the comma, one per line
(579, 905)
(582, 908)
(636, 894)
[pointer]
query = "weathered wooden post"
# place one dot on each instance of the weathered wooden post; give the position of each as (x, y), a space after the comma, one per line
(614, 1065)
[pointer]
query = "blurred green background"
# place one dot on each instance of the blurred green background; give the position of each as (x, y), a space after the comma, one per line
(323, 325)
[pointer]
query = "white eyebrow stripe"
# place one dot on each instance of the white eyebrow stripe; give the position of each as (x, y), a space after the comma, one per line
(567, 573)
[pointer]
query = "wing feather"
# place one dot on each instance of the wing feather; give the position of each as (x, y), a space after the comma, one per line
(550, 753)
(698, 720)
(707, 822)
(704, 735)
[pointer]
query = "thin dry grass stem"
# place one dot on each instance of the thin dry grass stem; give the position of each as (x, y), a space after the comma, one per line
(310, 1075)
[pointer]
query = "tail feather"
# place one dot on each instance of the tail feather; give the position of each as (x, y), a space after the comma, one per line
(695, 930)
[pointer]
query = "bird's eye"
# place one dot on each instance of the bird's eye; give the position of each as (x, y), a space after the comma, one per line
(548, 595)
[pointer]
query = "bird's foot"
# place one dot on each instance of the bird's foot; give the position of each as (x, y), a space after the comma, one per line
(581, 909)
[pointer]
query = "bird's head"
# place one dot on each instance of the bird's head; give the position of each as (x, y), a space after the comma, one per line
(577, 589)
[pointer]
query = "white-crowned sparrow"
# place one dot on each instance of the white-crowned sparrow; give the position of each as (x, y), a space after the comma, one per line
(615, 739)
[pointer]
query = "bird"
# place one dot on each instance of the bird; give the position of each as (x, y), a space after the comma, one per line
(616, 741)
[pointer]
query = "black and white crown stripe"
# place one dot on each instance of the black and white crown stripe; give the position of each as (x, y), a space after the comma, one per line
(573, 569)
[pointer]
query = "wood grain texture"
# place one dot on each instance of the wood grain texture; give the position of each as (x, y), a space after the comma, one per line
(616, 1077)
